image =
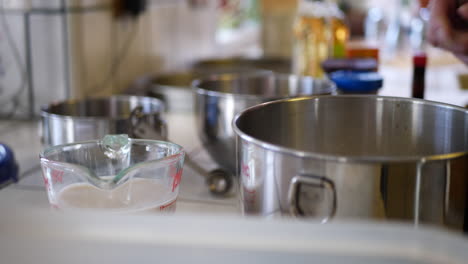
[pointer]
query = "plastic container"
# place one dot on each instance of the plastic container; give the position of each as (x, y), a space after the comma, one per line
(362, 50)
(354, 82)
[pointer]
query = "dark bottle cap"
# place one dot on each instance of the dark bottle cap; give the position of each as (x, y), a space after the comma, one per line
(361, 64)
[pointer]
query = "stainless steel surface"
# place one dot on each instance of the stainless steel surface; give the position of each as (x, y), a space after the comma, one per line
(220, 97)
(174, 90)
(378, 157)
(311, 181)
(92, 118)
(275, 64)
(219, 181)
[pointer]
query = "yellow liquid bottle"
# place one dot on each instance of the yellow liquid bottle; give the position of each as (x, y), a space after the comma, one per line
(311, 39)
(340, 36)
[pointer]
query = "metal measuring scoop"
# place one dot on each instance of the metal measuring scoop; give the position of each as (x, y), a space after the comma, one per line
(219, 181)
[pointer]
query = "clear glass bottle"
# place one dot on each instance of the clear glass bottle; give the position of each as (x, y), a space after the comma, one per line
(418, 27)
(320, 32)
(311, 38)
(277, 18)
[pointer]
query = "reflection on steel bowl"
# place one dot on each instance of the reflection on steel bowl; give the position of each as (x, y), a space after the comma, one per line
(275, 64)
(220, 97)
(174, 90)
(349, 156)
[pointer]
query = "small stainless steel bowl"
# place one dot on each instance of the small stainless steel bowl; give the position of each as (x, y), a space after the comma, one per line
(93, 118)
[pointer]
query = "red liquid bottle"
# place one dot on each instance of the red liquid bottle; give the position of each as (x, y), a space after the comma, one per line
(418, 41)
(419, 73)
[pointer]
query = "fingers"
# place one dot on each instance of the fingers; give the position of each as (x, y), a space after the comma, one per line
(441, 29)
(439, 26)
(462, 11)
(459, 43)
(462, 58)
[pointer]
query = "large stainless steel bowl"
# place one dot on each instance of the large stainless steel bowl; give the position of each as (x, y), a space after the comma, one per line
(356, 157)
(218, 98)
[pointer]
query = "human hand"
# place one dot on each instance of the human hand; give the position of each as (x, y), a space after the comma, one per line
(448, 27)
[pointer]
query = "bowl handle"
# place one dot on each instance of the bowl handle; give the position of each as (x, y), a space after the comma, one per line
(312, 181)
(138, 128)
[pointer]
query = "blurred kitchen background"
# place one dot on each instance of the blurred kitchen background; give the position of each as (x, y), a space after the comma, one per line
(51, 50)
(55, 50)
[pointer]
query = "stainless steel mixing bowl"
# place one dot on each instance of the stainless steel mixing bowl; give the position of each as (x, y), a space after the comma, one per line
(93, 118)
(355, 157)
(173, 88)
(218, 98)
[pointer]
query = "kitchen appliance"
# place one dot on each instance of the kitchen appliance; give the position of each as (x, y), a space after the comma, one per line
(357, 82)
(374, 157)
(92, 118)
(116, 174)
(218, 98)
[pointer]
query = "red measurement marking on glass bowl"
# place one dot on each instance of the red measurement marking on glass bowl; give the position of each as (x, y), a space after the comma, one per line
(250, 191)
(251, 199)
(177, 172)
(57, 176)
(163, 207)
(250, 196)
(245, 170)
(46, 182)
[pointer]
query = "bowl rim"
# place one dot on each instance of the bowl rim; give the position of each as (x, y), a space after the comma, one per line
(45, 161)
(342, 158)
(47, 114)
(49, 149)
(196, 84)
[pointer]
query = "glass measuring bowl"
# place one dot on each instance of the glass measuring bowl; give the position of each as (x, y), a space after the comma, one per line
(115, 174)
